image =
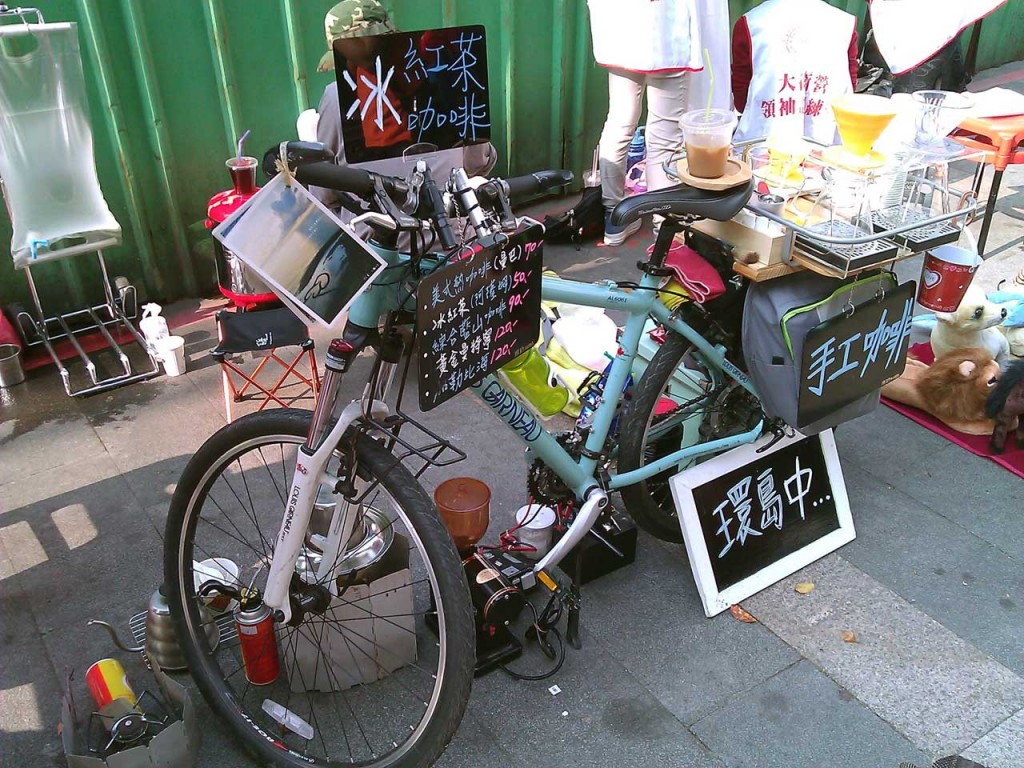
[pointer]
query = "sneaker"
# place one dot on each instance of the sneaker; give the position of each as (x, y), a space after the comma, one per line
(614, 235)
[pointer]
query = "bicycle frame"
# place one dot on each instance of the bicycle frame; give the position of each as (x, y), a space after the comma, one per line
(578, 474)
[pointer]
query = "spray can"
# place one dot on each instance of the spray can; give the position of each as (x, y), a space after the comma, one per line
(255, 623)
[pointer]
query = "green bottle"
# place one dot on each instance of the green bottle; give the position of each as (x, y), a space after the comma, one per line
(530, 376)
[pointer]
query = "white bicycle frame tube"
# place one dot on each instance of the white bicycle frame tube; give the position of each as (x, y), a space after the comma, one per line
(309, 475)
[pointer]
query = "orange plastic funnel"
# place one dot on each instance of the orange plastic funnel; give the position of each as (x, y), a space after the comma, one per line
(861, 118)
(464, 504)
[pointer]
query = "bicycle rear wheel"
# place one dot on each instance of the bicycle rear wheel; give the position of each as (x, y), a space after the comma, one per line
(679, 402)
(365, 681)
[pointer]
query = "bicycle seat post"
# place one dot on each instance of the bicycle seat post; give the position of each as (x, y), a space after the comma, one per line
(670, 227)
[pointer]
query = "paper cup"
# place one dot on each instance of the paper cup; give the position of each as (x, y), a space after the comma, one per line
(945, 276)
(536, 523)
(171, 351)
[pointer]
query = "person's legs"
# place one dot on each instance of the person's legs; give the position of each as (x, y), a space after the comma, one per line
(625, 91)
(666, 105)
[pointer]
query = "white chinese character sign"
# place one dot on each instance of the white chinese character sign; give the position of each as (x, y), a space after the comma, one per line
(403, 89)
(855, 353)
(750, 519)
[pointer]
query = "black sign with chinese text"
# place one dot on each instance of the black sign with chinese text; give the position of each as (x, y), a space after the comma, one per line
(763, 511)
(854, 354)
(407, 88)
(477, 314)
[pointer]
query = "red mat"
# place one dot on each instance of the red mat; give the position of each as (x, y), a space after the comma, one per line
(1012, 458)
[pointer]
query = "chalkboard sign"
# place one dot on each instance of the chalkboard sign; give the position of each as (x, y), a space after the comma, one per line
(750, 519)
(478, 313)
(409, 88)
(853, 354)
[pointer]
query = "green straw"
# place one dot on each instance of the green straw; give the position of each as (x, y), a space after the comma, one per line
(711, 84)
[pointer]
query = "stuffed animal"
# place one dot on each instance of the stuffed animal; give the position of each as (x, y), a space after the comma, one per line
(954, 389)
(956, 386)
(1013, 330)
(1006, 404)
(972, 325)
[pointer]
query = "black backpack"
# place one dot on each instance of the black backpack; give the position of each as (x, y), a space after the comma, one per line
(583, 221)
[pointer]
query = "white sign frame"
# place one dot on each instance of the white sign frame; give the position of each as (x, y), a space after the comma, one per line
(250, 234)
(715, 600)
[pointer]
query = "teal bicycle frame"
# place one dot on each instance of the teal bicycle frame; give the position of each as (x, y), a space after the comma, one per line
(580, 474)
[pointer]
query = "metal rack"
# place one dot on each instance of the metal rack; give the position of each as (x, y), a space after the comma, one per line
(918, 212)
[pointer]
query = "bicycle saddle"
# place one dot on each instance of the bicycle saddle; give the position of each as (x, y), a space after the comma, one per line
(683, 200)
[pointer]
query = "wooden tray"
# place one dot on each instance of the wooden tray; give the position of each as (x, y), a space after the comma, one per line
(736, 172)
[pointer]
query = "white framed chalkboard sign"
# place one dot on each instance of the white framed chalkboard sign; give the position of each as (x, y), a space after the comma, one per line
(750, 519)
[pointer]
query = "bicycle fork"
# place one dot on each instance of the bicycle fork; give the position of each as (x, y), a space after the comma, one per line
(311, 473)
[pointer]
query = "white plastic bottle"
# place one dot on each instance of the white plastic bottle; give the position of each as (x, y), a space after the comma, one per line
(153, 325)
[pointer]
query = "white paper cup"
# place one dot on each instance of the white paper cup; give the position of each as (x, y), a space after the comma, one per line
(537, 523)
(171, 351)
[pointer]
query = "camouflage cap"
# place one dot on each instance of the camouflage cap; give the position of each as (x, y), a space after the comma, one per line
(353, 18)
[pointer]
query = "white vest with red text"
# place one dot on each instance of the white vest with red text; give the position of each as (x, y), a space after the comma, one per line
(800, 54)
(646, 36)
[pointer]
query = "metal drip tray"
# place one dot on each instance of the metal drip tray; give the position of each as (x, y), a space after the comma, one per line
(916, 240)
(225, 625)
(846, 259)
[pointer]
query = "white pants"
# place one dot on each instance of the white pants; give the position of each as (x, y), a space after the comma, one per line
(666, 104)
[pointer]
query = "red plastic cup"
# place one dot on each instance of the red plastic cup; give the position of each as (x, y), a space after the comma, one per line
(243, 174)
(945, 276)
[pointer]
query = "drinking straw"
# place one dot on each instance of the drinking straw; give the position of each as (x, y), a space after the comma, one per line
(240, 141)
(711, 83)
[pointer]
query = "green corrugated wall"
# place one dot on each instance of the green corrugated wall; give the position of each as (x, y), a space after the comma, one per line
(172, 83)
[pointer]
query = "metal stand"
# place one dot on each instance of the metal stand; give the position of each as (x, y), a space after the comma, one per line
(116, 313)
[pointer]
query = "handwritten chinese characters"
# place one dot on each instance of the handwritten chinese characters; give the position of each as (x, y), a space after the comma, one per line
(762, 511)
(477, 314)
(852, 355)
(416, 87)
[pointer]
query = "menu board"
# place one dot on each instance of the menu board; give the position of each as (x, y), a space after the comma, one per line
(750, 518)
(855, 353)
(404, 89)
(478, 313)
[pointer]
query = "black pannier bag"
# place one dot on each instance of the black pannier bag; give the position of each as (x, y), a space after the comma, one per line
(777, 316)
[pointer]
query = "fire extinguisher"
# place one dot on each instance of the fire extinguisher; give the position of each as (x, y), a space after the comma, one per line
(254, 622)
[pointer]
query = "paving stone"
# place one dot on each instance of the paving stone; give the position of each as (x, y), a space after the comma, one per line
(691, 663)
(474, 744)
(1001, 747)
(610, 718)
(932, 686)
(801, 718)
(957, 578)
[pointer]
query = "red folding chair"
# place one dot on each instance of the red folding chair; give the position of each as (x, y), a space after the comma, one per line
(264, 332)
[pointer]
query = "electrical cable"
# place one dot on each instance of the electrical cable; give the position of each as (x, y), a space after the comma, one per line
(542, 631)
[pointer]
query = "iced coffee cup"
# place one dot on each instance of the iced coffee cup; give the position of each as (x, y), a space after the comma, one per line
(707, 135)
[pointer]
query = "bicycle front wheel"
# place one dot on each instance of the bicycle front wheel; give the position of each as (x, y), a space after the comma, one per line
(381, 676)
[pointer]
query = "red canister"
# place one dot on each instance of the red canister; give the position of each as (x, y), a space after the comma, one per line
(255, 623)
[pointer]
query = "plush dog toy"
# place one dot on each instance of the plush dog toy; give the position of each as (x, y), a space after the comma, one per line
(954, 389)
(1005, 404)
(972, 325)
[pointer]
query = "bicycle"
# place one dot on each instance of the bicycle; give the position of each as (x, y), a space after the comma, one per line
(318, 491)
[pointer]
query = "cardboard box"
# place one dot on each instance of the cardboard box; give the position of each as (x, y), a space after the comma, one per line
(744, 239)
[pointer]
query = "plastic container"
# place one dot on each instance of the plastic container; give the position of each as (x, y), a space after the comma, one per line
(243, 174)
(637, 149)
(465, 506)
(536, 523)
(11, 372)
(530, 375)
(171, 351)
(707, 135)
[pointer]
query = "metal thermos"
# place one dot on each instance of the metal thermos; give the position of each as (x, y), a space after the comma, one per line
(256, 636)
